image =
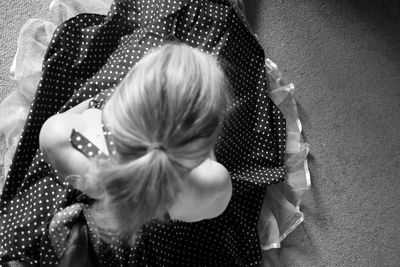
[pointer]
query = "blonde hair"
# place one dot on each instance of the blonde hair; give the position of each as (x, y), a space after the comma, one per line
(165, 113)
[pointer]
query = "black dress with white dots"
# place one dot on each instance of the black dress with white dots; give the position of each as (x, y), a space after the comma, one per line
(90, 54)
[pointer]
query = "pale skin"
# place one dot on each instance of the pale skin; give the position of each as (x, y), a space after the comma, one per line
(206, 191)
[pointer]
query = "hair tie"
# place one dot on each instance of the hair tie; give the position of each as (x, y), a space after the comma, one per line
(155, 146)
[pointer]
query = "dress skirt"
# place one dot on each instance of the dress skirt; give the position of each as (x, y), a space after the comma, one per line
(94, 46)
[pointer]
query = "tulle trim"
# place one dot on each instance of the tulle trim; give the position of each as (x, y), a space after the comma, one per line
(25, 71)
(280, 212)
(284, 235)
(62, 10)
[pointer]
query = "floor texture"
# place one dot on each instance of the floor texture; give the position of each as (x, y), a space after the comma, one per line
(344, 59)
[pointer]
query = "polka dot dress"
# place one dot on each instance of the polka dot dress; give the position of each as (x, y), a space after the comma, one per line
(88, 55)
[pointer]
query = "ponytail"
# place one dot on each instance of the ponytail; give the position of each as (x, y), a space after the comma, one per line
(135, 192)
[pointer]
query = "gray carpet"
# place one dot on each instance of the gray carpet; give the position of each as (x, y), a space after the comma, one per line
(344, 58)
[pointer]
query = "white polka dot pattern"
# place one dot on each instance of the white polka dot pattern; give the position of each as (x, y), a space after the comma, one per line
(91, 53)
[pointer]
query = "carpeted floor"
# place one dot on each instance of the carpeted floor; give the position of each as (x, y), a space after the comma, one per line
(344, 58)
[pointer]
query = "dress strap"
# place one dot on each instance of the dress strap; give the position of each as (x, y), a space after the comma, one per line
(109, 140)
(108, 137)
(83, 145)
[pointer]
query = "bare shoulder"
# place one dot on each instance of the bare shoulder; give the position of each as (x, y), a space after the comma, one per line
(205, 195)
(210, 177)
(56, 131)
(212, 187)
(54, 140)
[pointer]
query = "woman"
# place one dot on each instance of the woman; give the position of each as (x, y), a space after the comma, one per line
(88, 54)
(164, 119)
